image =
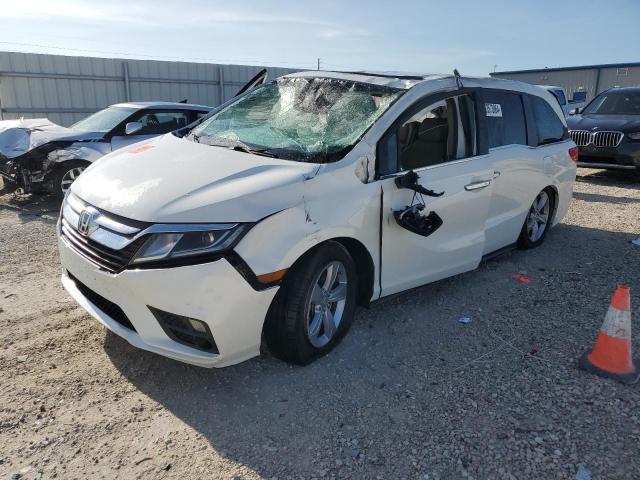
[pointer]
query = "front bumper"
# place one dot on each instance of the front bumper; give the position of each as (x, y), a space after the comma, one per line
(214, 293)
(625, 156)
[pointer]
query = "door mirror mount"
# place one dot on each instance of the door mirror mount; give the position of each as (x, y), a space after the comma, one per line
(132, 127)
(575, 111)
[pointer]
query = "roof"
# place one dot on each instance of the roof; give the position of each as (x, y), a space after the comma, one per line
(563, 69)
(162, 105)
(401, 80)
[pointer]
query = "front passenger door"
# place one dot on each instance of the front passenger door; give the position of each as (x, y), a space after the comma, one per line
(439, 142)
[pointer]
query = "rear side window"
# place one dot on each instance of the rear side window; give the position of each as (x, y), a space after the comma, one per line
(503, 115)
(549, 127)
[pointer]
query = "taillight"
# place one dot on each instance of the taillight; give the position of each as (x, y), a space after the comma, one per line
(573, 153)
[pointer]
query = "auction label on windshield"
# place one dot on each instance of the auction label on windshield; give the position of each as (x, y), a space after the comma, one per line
(493, 109)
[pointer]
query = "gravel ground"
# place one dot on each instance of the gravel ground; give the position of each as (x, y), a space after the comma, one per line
(410, 393)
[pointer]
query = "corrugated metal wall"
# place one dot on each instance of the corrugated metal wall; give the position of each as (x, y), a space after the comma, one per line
(590, 80)
(67, 89)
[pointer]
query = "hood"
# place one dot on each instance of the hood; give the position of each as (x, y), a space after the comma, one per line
(19, 136)
(175, 180)
(622, 123)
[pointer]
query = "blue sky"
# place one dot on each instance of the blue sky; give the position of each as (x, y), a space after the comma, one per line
(413, 35)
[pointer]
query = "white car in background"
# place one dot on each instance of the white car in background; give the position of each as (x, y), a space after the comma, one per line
(302, 198)
(37, 155)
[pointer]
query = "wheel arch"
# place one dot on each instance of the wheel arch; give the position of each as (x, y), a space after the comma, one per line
(556, 200)
(365, 267)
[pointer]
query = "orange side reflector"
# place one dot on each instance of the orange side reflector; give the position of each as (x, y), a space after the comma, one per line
(140, 148)
(272, 277)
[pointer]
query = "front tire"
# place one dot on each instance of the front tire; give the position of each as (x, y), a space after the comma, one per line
(315, 306)
(65, 175)
(538, 221)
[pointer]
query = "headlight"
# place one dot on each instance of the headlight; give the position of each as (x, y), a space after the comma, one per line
(634, 135)
(178, 241)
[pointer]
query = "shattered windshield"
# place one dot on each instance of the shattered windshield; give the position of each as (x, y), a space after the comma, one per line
(303, 119)
(104, 120)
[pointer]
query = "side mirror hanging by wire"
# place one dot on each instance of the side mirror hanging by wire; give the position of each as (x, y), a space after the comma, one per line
(411, 217)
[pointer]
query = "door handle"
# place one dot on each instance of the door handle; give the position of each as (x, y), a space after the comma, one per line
(477, 185)
(496, 174)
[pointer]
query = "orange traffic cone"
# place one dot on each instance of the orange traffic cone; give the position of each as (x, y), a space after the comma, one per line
(611, 354)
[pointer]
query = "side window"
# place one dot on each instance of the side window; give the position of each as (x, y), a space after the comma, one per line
(548, 125)
(159, 122)
(441, 132)
(444, 130)
(503, 115)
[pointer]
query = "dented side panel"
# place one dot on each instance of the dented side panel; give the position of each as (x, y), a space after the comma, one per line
(333, 205)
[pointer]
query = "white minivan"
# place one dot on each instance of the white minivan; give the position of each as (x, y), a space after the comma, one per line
(273, 218)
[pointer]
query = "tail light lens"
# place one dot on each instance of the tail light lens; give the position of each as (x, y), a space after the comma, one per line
(573, 153)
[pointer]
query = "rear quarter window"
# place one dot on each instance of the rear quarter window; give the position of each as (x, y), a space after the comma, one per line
(548, 125)
(503, 116)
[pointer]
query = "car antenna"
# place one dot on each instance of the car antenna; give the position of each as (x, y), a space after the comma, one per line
(456, 75)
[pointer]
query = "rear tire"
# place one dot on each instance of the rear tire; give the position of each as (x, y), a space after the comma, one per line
(315, 306)
(538, 221)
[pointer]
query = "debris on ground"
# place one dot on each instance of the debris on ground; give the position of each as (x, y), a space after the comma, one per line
(521, 278)
(583, 473)
(465, 320)
(636, 242)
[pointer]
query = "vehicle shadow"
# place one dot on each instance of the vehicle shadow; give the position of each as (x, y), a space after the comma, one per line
(394, 373)
(596, 197)
(609, 178)
(32, 207)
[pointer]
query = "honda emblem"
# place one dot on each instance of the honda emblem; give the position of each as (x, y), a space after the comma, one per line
(86, 223)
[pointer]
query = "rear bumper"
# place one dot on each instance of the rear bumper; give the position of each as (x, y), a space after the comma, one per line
(625, 156)
(214, 293)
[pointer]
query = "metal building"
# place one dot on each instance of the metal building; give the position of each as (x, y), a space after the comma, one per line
(587, 80)
(66, 89)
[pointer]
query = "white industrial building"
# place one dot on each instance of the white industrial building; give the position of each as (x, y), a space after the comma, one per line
(583, 82)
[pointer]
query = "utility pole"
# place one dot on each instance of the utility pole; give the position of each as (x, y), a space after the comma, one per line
(318, 63)
(494, 67)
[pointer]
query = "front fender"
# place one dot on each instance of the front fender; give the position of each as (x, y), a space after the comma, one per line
(276, 242)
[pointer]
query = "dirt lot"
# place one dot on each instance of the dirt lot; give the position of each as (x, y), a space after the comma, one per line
(410, 393)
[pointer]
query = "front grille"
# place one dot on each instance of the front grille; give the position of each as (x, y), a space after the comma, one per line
(107, 307)
(604, 139)
(179, 329)
(607, 139)
(106, 258)
(581, 138)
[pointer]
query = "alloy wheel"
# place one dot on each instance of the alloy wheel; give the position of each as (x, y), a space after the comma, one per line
(538, 218)
(69, 177)
(326, 302)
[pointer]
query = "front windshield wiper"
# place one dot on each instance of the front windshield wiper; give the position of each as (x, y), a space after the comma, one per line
(236, 145)
(256, 151)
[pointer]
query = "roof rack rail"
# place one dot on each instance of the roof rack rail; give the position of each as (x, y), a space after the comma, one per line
(385, 75)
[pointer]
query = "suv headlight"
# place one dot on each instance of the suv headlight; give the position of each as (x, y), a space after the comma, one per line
(170, 242)
(634, 135)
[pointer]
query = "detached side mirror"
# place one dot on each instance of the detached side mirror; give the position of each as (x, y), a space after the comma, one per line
(132, 127)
